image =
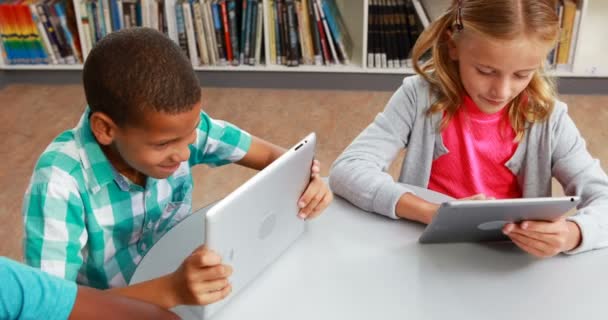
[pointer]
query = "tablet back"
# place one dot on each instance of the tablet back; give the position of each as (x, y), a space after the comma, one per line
(482, 220)
(256, 223)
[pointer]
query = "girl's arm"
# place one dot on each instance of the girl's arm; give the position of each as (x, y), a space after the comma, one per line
(359, 174)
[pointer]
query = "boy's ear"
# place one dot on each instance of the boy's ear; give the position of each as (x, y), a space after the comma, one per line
(103, 128)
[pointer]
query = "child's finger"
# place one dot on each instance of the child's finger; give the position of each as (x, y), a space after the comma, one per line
(545, 227)
(316, 167)
(214, 296)
(533, 236)
(215, 273)
(314, 202)
(209, 258)
(539, 246)
(323, 204)
(311, 191)
(479, 196)
(528, 249)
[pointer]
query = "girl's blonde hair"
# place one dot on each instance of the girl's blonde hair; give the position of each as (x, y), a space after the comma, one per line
(498, 19)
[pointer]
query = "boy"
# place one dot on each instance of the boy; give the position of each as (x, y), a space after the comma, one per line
(104, 192)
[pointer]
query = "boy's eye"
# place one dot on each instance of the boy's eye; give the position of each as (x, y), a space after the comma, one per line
(161, 145)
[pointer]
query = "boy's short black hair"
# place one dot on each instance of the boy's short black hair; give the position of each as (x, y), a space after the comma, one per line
(135, 70)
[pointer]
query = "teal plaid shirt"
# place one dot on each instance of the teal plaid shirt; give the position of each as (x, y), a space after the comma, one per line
(86, 222)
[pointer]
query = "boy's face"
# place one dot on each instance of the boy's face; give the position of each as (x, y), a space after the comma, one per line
(154, 147)
(494, 72)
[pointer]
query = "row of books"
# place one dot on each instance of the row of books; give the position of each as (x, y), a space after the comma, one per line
(221, 32)
(101, 17)
(39, 32)
(393, 28)
(310, 32)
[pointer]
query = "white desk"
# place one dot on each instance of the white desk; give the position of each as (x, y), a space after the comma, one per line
(352, 264)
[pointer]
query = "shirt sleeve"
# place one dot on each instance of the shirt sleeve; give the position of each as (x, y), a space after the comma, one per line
(53, 219)
(218, 143)
(27, 293)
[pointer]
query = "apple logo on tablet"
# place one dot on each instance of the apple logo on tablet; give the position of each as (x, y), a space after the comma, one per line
(492, 225)
(267, 226)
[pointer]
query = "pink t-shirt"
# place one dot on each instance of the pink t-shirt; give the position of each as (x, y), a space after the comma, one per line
(479, 145)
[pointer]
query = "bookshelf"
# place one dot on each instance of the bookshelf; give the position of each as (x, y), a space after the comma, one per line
(588, 59)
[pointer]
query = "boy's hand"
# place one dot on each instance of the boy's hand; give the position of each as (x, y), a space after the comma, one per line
(201, 279)
(544, 239)
(317, 195)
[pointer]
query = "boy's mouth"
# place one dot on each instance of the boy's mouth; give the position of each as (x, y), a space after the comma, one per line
(169, 168)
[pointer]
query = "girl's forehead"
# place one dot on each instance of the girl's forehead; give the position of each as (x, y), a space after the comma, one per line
(523, 52)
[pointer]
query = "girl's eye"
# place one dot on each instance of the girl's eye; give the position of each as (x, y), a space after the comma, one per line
(522, 76)
(484, 71)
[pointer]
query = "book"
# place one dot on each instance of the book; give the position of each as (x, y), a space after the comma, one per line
(421, 13)
(226, 29)
(327, 32)
(234, 35)
(199, 32)
(563, 51)
(190, 37)
(435, 8)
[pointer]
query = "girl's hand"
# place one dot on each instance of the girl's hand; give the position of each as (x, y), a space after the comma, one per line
(544, 239)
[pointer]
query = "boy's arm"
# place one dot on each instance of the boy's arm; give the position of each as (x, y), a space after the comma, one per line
(218, 143)
(201, 279)
(261, 153)
(54, 228)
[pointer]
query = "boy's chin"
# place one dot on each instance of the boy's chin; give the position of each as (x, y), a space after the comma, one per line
(160, 173)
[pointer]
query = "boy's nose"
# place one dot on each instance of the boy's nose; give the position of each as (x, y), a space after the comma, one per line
(182, 154)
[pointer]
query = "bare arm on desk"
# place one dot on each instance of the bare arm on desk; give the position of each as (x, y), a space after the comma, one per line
(414, 208)
(94, 304)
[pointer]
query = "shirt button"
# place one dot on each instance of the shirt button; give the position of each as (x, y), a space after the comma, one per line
(150, 225)
(143, 247)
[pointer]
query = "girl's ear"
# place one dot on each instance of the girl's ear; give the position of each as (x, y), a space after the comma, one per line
(452, 48)
(103, 128)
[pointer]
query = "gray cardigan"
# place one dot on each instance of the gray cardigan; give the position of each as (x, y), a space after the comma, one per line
(553, 148)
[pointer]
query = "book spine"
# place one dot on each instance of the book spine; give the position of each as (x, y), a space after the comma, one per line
(234, 35)
(217, 24)
(226, 29)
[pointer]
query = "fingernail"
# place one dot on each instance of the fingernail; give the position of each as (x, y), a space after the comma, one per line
(524, 225)
(302, 215)
(301, 204)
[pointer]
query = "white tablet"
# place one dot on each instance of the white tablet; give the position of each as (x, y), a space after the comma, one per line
(256, 223)
(482, 220)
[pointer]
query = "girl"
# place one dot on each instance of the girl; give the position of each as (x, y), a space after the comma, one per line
(481, 120)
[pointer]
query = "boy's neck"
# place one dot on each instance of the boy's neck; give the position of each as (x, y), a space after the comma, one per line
(122, 167)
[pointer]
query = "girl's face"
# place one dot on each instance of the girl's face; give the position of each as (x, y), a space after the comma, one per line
(493, 72)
